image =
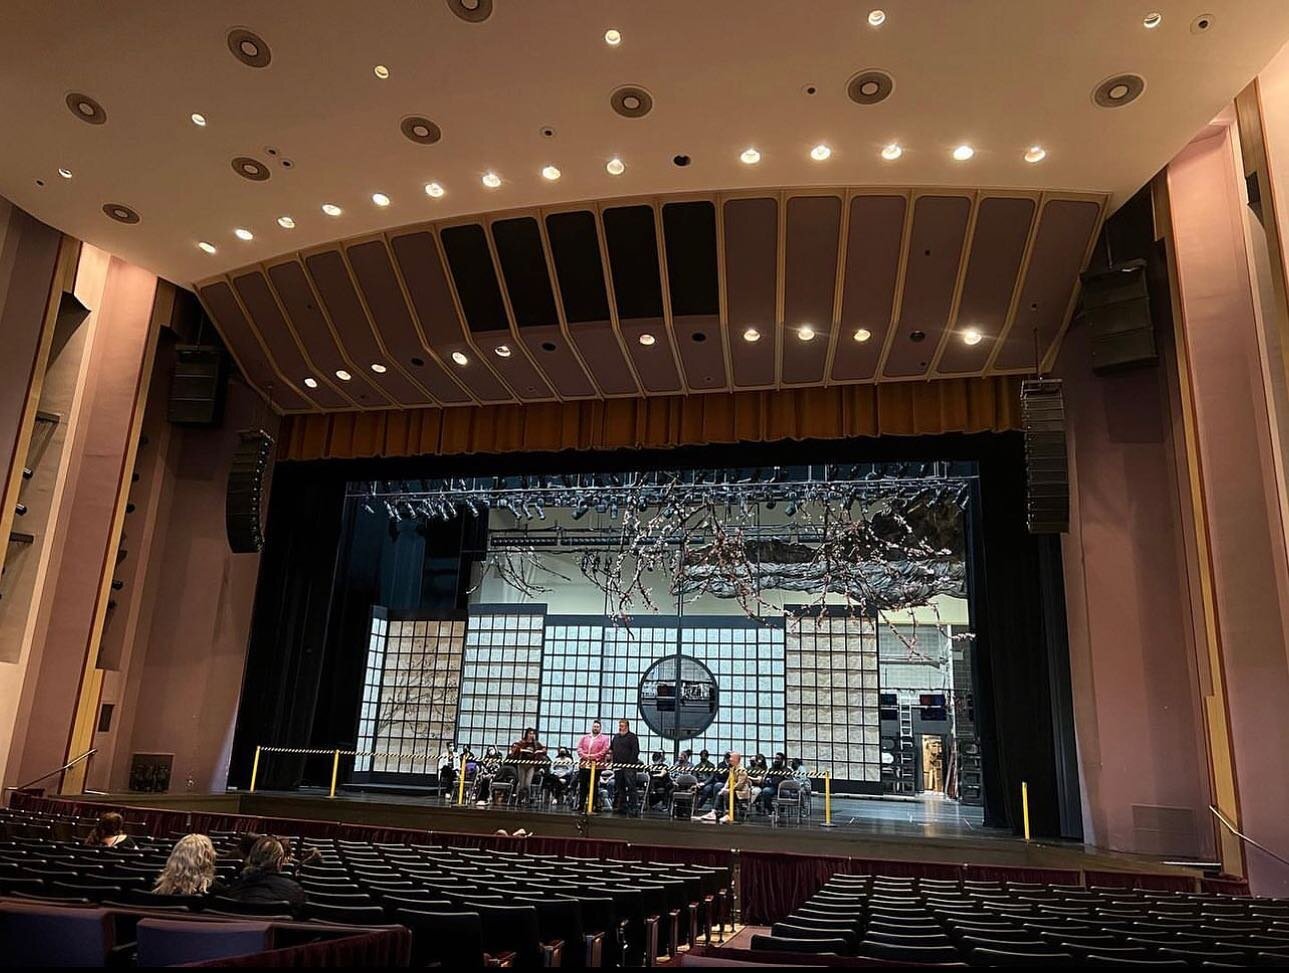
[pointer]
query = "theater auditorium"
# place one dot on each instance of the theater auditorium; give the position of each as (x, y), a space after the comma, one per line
(601, 484)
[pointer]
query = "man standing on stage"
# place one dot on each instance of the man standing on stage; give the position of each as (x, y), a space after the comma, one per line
(591, 750)
(625, 749)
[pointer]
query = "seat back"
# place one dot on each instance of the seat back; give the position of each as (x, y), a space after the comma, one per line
(166, 942)
(39, 935)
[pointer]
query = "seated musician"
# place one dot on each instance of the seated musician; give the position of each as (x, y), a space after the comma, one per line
(531, 753)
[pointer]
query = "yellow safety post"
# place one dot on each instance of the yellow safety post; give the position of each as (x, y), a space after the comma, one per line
(335, 772)
(590, 792)
(255, 769)
(731, 790)
(1024, 806)
(461, 783)
(827, 799)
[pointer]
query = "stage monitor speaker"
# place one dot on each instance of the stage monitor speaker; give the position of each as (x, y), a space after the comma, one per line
(1115, 305)
(197, 386)
(245, 506)
(1047, 494)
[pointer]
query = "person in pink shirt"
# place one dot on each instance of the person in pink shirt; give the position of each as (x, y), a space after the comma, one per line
(591, 749)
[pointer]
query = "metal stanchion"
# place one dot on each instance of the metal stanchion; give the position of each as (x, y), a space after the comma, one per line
(461, 783)
(255, 769)
(335, 772)
(590, 792)
(1024, 806)
(731, 790)
(827, 800)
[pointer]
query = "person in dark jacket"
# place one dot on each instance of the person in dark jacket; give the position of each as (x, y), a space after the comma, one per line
(109, 832)
(261, 879)
(624, 748)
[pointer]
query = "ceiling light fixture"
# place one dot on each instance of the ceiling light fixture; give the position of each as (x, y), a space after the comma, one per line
(434, 190)
(963, 152)
(65, 173)
(750, 157)
(876, 18)
(381, 71)
(380, 199)
(198, 119)
(615, 166)
(1152, 20)
(286, 222)
(972, 336)
(892, 152)
(378, 368)
(343, 375)
(311, 383)
(647, 339)
(502, 351)
(243, 234)
(491, 180)
(208, 247)
(550, 173)
(612, 37)
(460, 358)
(862, 335)
(331, 209)
(751, 334)
(820, 152)
(1035, 153)
(805, 332)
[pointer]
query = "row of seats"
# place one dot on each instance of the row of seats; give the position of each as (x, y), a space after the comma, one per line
(1029, 924)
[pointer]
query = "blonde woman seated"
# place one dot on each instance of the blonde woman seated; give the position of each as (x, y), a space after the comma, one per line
(742, 791)
(190, 869)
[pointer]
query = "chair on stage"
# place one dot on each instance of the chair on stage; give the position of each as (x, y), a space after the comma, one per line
(787, 801)
(505, 786)
(684, 795)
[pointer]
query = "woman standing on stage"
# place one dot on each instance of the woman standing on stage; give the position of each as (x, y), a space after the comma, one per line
(533, 752)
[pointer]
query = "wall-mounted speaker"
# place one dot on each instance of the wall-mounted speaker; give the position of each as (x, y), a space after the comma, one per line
(1047, 480)
(246, 506)
(197, 386)
(1115, 305)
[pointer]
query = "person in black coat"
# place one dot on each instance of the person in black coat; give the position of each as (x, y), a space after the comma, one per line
(261, 878)
(624, 748)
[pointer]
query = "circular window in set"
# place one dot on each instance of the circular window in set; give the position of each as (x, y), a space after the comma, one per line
(679, 697)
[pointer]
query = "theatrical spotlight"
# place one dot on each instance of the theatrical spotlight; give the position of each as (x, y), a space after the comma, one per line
(771, 504)
(580, 510)
(369, 508)
(790, 508)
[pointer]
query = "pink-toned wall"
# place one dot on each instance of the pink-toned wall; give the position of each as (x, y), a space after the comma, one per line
(185, 675)
(1250, 571)
(1137, 719)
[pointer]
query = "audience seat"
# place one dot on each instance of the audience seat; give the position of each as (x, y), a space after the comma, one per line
(166, 942)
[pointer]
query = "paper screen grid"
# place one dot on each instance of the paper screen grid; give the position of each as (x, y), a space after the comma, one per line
(500, 679)
(749, 669)
(421, 679)
(371, 691)
(628, 653)
(570, 683)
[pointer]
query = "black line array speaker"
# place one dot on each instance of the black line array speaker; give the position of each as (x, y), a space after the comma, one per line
(197, 386)
(1116, 308)
(245, 506)
(1047, 481)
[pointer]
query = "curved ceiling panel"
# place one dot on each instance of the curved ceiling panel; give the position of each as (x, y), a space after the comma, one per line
(246, 349)
(751, 231)
(810, 268)
(874, 246)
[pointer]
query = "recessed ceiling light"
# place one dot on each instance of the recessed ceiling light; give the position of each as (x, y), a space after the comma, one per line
(647, 339)
(381, 71)
(862, 334)
(208, 247)
(243, 234)
(972, 336)
(311, 383)
(331, 209)
(491, 180)
(286, 222)
(378, 368)
(198, 119)
(963, 152)
(892, 152)
(615, 166)
(503, 351)
(876, 18)
(1035, 153)
(820, 152)
(343, 375)
(433, 189)
(612, 37)
(65, 173)
(1152, 20)
(751, 334)
(460, 358)
(380, 199)
(550, 173)
(805, 332)
(750, 157)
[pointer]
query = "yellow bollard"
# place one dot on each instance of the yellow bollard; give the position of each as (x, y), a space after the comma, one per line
(1024, 806)
(827, 799)
(461, 783)
(335, 772)
(255, 769)
(590, 792)
(731, 790)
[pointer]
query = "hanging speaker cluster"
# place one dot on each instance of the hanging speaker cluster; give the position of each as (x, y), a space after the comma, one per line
(1047, 481)
(246, 505)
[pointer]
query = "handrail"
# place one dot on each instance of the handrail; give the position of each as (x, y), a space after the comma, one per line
(1245, 838)
(63, 769)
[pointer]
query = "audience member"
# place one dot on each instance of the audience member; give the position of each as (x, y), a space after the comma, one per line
(742, 791)
(109, 832)
(261, 879)
(528, 748)
(660, 783)
(190, 869)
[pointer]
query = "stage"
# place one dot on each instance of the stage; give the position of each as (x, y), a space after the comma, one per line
(896, 831)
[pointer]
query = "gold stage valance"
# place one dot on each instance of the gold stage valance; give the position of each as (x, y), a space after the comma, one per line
(837, 412)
